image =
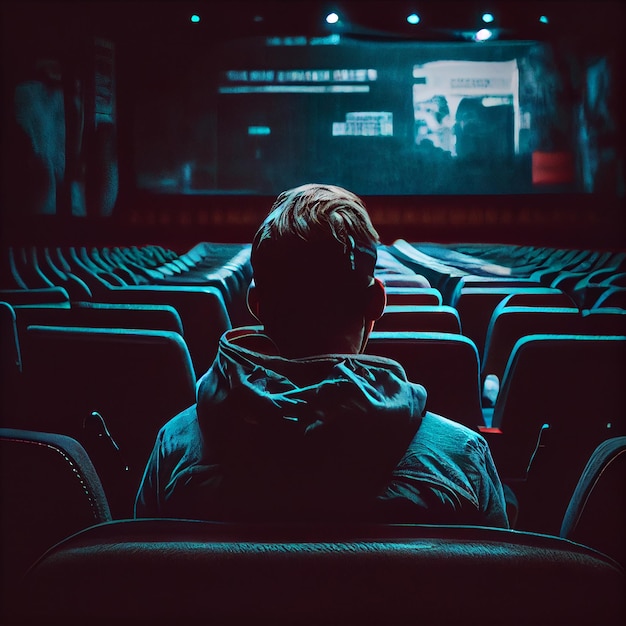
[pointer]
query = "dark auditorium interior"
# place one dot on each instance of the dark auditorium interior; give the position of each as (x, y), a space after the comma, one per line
(144, 142)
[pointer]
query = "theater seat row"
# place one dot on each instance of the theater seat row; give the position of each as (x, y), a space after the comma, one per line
(78, 371)
(584, 275)
(447, 363)
(165, 571)
(207, 278)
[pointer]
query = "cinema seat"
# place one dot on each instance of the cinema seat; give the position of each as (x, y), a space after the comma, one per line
(177, 571)
(49, 490)
(102, 315)
(109, 388)
(443, 319)
(413, 296)
(10, 362)
(477, 304)
(11, 358)
(610, 297)
(222, 265)
(568, 279)
(202, 309)
(543, 296)
(439, 274)
(77, 288)
(510, 323)
(560, 397)
(568, 261)
(25, 272)
(452, 295)
(414, 281)
(445, 363)
(35, 297)
(604, 321)
(596, 514)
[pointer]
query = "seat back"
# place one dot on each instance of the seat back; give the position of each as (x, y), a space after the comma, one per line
(544, 296)
(202, 310)
(561, 396)
(611, 297)
(413, 296)
(596, 514)
(391, 279)
(36, 297)
(174, 571)
(11, 358)
(445, 363)
(111, 389)
(510, 323)
(49, 490)
(604, 321)
(477, 304)
(11, 388)
(102, 315)
(442, 318)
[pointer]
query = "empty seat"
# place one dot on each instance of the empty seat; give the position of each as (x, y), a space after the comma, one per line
(438, 273)
(10, 362)
(465, 282)
(202, 311)
(443, 319)
(10, 355)
(175, 571)
(445, 363)
(49, 490)
(545, 296)
(476, 306)
(403, 280)
(596, 514)
(560, 397)
(413, 296)
(604, 321)
(109, 388)
(610, 297)
(222, 265)
(35, 297)
(510, 323)
(103, 315)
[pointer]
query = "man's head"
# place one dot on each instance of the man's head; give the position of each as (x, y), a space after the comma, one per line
(313, 260)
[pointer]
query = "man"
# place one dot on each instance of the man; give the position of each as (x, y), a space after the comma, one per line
(294, 422)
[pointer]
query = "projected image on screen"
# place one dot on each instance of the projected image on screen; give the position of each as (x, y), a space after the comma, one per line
(258, 115)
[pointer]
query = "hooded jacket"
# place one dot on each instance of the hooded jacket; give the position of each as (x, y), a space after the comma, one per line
(331, 437)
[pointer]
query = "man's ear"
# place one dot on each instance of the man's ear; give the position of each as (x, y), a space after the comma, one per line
(252, 299)
(376, 300)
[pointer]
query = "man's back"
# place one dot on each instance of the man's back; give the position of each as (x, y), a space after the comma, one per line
(294, 422)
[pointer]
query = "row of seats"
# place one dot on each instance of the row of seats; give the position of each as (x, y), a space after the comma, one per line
(111, 370)
(98, 380)
(549, 363)
(438, 356)
(206, 285)
(65, 559)
(450, 267)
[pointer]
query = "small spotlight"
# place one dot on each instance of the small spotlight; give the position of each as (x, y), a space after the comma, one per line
(544, 19)
(483, 34)
(332, 18)
(414, 18)
(487, 18)
(195, 18)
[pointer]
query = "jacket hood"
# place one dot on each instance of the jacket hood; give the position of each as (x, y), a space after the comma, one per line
(311, 423)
